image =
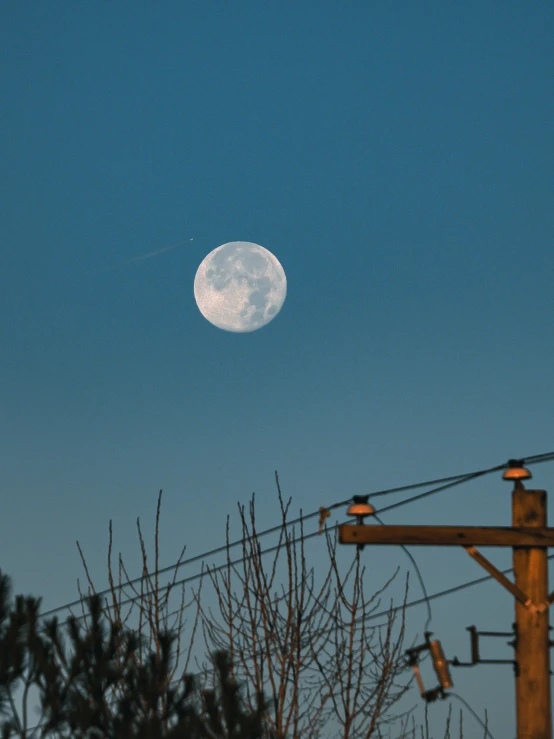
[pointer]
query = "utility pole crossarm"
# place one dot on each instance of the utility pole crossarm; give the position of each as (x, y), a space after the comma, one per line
(484, 536)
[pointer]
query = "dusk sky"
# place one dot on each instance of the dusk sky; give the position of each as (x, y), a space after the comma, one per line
(396, 158)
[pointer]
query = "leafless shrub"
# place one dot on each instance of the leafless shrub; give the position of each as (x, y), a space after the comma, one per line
(303, 637)
(148, 601)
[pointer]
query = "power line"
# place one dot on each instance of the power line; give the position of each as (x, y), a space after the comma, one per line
(450, 481)
(266, 532)
(419, 577)
(458, 480)
(537, 458)
(534, 459)
(417, 602)
(440, 594)
(441, 488)
(426, 599)
(474, 714)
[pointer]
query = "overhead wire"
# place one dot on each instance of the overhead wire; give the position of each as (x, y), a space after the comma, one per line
(458, 480)
(474, 713)
(538, 458)
(440, 488)
(419, 601)
(443, 483)
(449, 482)
(439, 594)
(269, 550)
(418, 575)
(273, 529)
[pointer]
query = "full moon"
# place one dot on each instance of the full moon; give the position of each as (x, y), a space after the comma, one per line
(240, 286)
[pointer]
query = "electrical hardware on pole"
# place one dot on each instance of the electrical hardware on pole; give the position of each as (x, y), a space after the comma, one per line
(529, 537)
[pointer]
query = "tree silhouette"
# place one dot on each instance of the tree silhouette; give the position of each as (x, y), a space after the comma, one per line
(300, 631)
(302, 634)
(94, 687)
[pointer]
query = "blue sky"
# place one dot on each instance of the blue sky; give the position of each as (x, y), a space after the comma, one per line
(396, 158)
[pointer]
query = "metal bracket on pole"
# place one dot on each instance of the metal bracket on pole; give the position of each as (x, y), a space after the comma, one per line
(502, 579)
(476, 655)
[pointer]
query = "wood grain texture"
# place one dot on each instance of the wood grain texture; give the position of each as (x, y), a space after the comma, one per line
(483, 536)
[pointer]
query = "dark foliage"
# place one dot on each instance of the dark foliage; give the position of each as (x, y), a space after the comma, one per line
(95, 686)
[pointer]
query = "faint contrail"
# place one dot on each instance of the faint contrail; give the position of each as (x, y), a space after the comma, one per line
(141, 257)
(154, 253)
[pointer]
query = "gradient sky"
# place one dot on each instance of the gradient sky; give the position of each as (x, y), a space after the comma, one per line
(397, 158)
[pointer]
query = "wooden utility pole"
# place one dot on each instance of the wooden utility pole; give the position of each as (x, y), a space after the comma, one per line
(529, 538)
(533, 711)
